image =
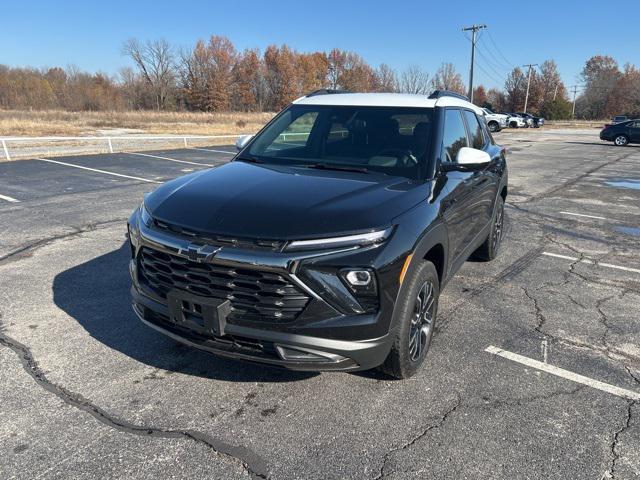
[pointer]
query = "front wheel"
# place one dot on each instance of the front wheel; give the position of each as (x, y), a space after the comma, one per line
(489, 249)
(416, 321)
(494, 127)
(621, 140)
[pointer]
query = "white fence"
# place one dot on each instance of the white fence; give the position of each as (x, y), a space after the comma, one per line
(21, 147)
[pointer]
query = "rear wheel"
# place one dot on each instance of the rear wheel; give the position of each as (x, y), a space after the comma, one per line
(418, 307)
(494, 127)
(489, 249)
(621, 140)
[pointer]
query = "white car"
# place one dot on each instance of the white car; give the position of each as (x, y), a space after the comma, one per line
(516, 121)
(495, 121)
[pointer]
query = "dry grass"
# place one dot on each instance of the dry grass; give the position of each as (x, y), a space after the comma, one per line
(44, 123)
(576, 123)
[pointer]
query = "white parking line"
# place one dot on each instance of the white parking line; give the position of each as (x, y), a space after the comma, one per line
(583, 215)
(9, 199)
(211, 150)
(97, 170)
(170, 159)
(561, 372)
(592, 262)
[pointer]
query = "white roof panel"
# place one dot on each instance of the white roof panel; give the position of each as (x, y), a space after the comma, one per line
(385, 100)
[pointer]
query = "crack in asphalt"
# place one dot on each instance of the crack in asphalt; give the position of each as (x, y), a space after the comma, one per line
(253, 464)
(541, 319)
(573, 181)
(24, 250)
(615, 455)
(427, 429)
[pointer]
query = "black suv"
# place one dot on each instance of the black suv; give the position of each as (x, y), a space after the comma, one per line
(325, 243)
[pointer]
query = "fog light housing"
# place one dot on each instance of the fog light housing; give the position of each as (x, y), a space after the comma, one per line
(363, 285)
(358, 278)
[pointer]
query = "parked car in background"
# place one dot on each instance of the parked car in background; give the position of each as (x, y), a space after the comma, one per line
(527, 121)
(534, 121)
(619, 119)
(515, 121)
(623, 133)
(495, 121)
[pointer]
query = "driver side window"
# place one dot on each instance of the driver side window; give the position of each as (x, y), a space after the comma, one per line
(454, 137)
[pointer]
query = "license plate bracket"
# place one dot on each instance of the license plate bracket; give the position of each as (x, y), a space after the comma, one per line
(204, 315)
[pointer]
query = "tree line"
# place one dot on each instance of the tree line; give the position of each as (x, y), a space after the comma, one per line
(214, 76)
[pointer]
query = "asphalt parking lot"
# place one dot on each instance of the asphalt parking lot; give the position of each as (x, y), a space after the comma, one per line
(534, 371)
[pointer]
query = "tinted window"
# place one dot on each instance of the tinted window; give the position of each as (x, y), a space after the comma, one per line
(455, 135)
(391, 140)
(475, 130)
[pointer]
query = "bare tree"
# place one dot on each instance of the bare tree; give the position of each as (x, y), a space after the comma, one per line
(155, 60)
(386, 79)
(446, 78)
(414, 80)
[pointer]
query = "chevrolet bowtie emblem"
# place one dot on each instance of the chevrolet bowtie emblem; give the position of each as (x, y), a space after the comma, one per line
(199, 253)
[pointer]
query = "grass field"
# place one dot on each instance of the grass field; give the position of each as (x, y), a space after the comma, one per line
(45, 123)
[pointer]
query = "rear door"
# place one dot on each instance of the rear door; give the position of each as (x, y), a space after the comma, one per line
(484, 180)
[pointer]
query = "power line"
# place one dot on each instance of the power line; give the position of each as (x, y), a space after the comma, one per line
(490, 76)
(474, 30)
(490, 66)
(494, 60)
(495, 46)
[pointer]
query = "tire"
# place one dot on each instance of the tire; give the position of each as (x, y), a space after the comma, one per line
(513, 125)
(493, 127)
(491, 246)
(621, 141)
(416, 322)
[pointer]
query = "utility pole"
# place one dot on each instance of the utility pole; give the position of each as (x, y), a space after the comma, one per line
(555, 92)
(474, 30)
(573, 110)
(526, 98)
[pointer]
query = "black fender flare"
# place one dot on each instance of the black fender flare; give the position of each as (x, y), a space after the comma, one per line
(436, 234)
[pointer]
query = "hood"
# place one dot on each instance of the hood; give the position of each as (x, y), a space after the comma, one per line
(280, 202)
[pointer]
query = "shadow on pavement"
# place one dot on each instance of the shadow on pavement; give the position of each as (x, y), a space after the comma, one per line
(96, 295)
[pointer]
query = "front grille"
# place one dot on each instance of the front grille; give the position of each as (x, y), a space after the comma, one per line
(220, 240)
(254, 295)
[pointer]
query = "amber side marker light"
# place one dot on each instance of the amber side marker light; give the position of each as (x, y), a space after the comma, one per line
(403, 272)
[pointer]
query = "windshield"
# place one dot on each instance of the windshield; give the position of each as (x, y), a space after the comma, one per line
(390, 140)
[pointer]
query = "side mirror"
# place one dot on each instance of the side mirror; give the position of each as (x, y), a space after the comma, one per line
(242, 141)
(471, 156)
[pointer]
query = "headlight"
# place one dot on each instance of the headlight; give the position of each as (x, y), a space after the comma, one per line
(145, 216)
(362, 239)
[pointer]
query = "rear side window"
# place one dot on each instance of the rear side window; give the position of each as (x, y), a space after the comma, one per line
(475, 130)
(454, 137)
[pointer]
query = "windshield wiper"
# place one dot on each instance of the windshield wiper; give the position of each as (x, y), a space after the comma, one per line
(245, 158)
(331, 166)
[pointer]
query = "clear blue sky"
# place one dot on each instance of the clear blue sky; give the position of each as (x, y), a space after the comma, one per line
(399, 33)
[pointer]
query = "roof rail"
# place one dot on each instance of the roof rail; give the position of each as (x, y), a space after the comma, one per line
(447, 93)
(325, 91)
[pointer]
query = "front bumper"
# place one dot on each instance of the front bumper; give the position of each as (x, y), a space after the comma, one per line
(322, 337)
(283, 349)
